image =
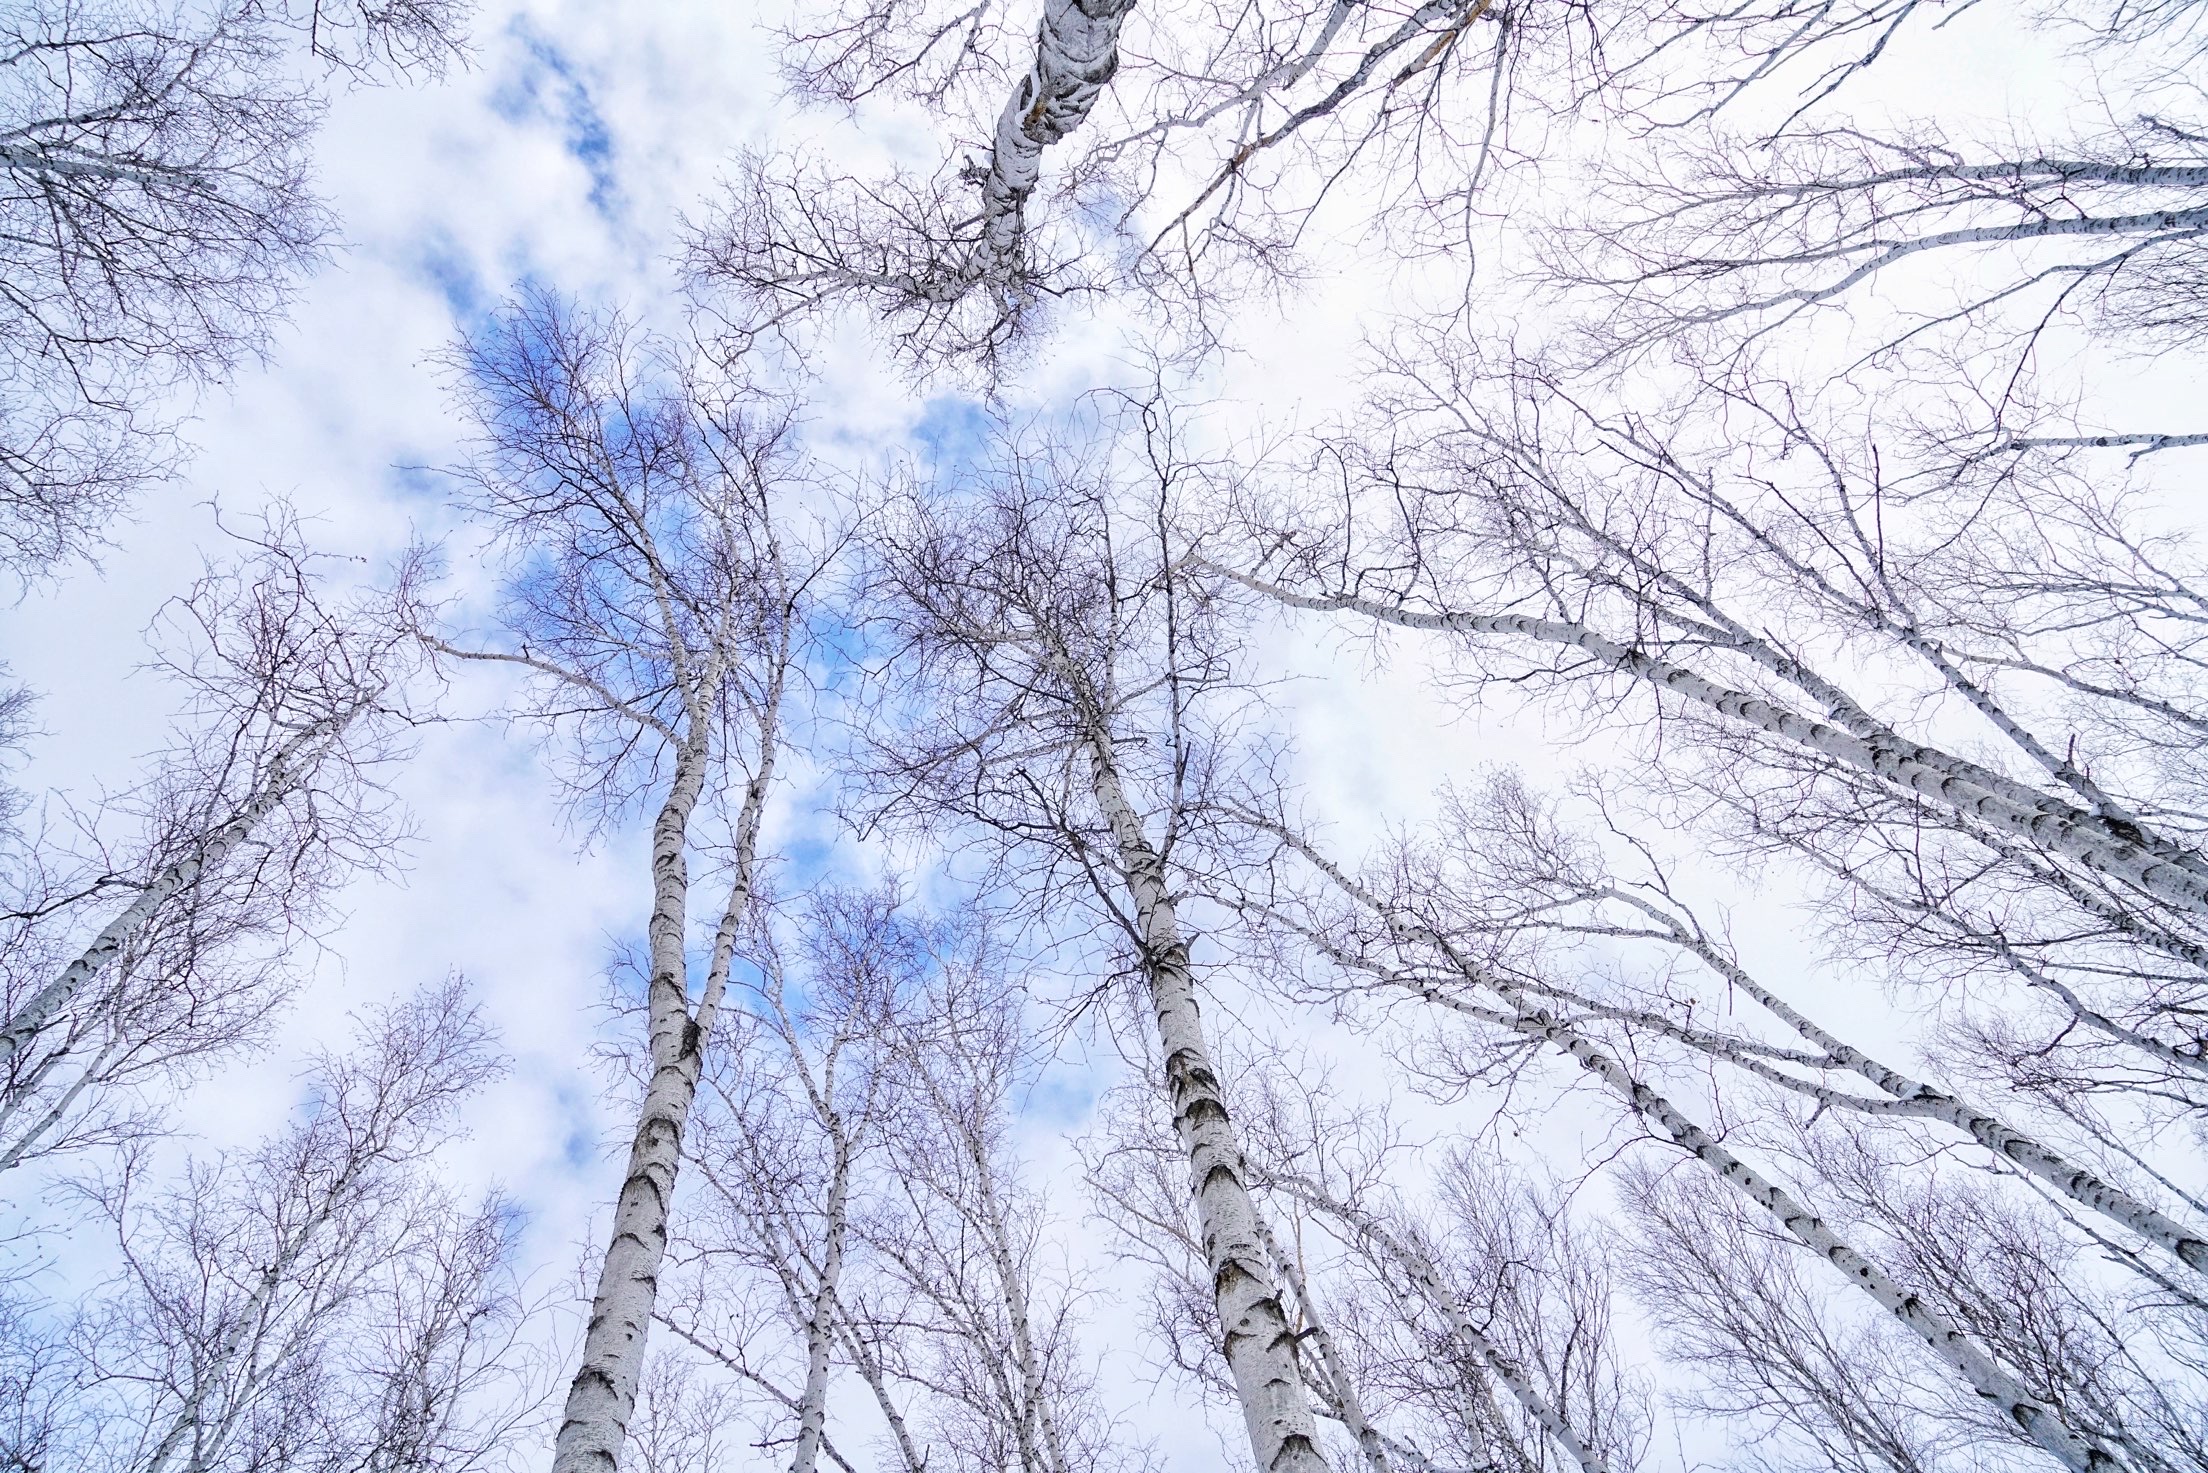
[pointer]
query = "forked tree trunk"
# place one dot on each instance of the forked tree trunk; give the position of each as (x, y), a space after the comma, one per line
(1348, 1407)
(1259, 1345)
(602, 1397)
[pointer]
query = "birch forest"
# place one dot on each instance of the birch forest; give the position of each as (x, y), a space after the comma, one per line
(1075, 736)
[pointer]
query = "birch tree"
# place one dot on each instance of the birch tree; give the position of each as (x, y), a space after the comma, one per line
(1743, 580)
(150, 936)
(156, 207)
(1840, 1390)
(654, 605)
(1049, 690)
(1185, 164)
(1383, 937)
(968, 1232)
(315, 1302)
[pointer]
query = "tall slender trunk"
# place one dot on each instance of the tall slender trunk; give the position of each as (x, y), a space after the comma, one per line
(812, 1414)
(285, 772)
(2175, 875)
(1042, 1448)
(602, 1397)
(1909, 1096)
(1914, 1097)
(1259, 1346)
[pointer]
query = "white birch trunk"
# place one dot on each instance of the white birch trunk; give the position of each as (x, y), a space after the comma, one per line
(1076, 53)
(1909, 1096)
(812, 1415)
(602, 1397)
(283, 779)
(2169, 875)
(1259, 1346)
(1914, 1097)
(1042, 1447)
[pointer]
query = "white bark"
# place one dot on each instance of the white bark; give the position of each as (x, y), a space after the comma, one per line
(62, 160)
(1042, 1446)
(1259, 1346)
(1908, 1096)
(1076, 53)
(1423, 1273)
(1913, 1097)
(1987, 1377)
(285, 772)
(603, 1396)
(812, 1415)
(2060, 827)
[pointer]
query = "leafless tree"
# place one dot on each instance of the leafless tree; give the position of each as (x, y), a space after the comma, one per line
(864, 1221)
(1186, 160)
(156, 206)
(149, 936)
(656, 607)
(1048, 695)
(2033, 1256)
(965, 1235)
(1958, 693)
(1188, 156)
(315, 1303)
(1839, 1390)
(1551, 897)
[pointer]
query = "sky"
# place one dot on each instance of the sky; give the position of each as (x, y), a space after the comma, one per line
(567, 155)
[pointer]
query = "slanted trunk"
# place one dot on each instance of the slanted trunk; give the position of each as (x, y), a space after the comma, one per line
(286, 770)
(1348, 1407)
(1521, 1014)
(1986, 1376)
(1259, 1345)
(2170, 873)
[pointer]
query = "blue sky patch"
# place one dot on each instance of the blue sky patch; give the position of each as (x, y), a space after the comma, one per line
(547, 86)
